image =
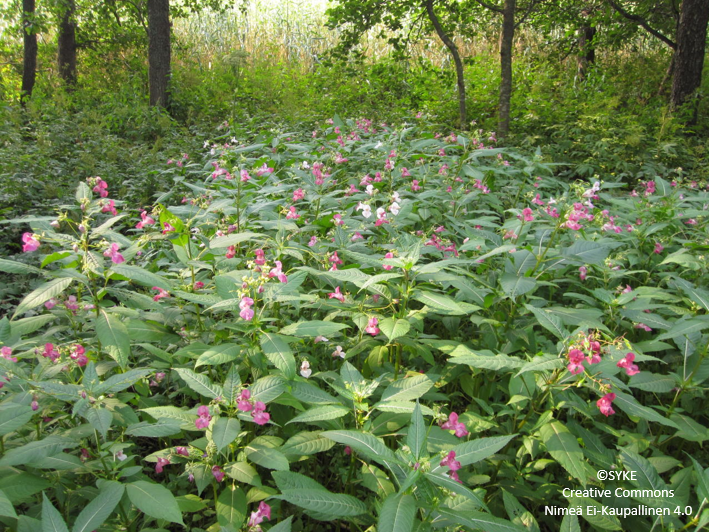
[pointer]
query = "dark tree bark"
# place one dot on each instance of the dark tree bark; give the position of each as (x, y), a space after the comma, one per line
(159, 51)
(506, 42)
(456, 59)
(66, 40)
(587, 50)
(29, 62)
(689, 56)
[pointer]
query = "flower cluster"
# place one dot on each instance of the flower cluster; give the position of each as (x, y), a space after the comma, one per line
(257, 517)
(257, 409)
(454, 465)
(204, 418)
(454, 424)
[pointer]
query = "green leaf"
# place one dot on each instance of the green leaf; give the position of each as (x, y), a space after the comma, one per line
(565, 449)
(243, 472)
(702, 481)
(481, 521)
(541, 363)
(199, 383)
(232, 240)
(59, 462)
(163, 427)
(231, 508)
(416, 437)
(393, 329)
(308, 393)
(52, 520)
(698, 295)
(515, 285)
(121, 381)
(43, 294)
(570, 523)
(29, 325)
(10, 266)
(549, 321)
(141, 276)
(154, 500)
(6, 508)
(307, 443)
(13, 416)
(397, 514)
(266, 457)
(100, 419)
(629, 405)
(493, 362)
(36, 450)
(225, 431)
(288, 480)
(683, 328)
(652, 382)
(220, 354)
(586, 252)
(283, 526)
(473, 451)
(408, 389)
(232, 385)
(366, 444)
(448, 483)
(113, 334)
(278, 352)
(100, 508)
(320, 413)
(327, 505)
(438, 303)
(268, 388)
(311, 329)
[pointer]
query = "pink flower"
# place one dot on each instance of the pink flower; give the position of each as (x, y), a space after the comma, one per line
(604, 404)
(198, 285)
(71, 303)
(627, 364)
(261, 417)
(50, 352)
(337, 295)
(161, 293)
(298, 194)
(6, 353)
(691, 221)
(338, 352)
(265, 169)
(319, 339)
(244, 403)
(292, 214)
(454, 424)
(264, 512)
(451, 462)
(528, 214)
(218, 473)
(643, 327)
(337, 219)
(334, 259)
(389, 255)
(101, 187)
(415, 185)
(245, 305)
(110, 207)
(658, 248)
(583, 271)
(167, 228)
(537, 200)
(30, 242)
(313, 241)
(305, 370)
(405, 172)
(371, 327)
(230, 252)
(576, 358)
(162, 462)
(145, 220)
(626, 290)
(278, 272)
(51, 303)
(339, 159)
(204, 418)
(112, 252)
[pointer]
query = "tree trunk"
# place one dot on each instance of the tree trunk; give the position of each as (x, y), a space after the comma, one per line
(66, 40)
(587, 50)
(159, 51)
(506, 41)
(689, 57)
(29, 63)
(456, 58)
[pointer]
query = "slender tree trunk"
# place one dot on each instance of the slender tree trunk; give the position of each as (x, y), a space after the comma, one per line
(159, 51)
(456, 59)
(587, 50)
(66, 40)
(689, 57)
(506, 41)
(29, 62)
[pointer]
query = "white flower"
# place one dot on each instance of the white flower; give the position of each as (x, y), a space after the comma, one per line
(304, 165)
(320, 339)
(370, 190)
(338, 352)
(381, 213)
(120, 455)
(394, 208)
(395, 197)
(366, 211)
(305, 370)
(379, 145)
(206, 144)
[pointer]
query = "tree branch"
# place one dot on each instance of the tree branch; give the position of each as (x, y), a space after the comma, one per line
(529, 10)
(489, 6)
(643, 23)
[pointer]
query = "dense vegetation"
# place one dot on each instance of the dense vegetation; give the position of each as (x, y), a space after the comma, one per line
(302, 297)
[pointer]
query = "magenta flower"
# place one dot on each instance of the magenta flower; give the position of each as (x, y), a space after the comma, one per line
(576, 358)
(334, 259)
(257, 517)
(112, 252)
(371, 327)
(161, 293)
(110, 207)
(627, 364)
(337, 295)
(278, 272)
(405, 172)
(265, 169)
(337, 219)
(198, 285)
(30, 242)
(454, 424)
(604, 404)
(658, 248)
(101, 187)
(389, 255)
(78, 355)
(145, 220)
(451, 462)
(538, 200)
(313, 241)
(167, 228)
(261, 417)
(245, 305)
(162, 462)
(292, 214)
(230, 252)
(6, 353)
(643, 327)
(415, 185)
(51, 303)
(218, 473)
(260, 257)
(528, 214)
(50, 353)
(583, 271)
(244, 403)
(204, 418)
(298, 194)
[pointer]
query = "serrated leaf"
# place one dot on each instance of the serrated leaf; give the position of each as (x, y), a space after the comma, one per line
(231, 508)
(13, 416)
(154, 500)
(570, 523)
(36, 450)
(438, 302)
(684, 328)
(541, 363)
(161, 428)
(225, 431)
(394, 329)
(416, 437)
(267, 389)
(366, 444)
(52, 520)
(329, 505)
(279, 353)
(141, 276)
(100, 419)
(232, 240)
(311, 394)
(407, 389)
(549, 321)
(220, 354)
(565, 449)
(448, 483)
(121, 381)
(288, 480)
(515, 285)
(481, 521)
(652, 382)
(698, 295)
(266, 457)
(11, 266)
(473, 451)
(629, 405)
(199, 383)
(43, 293)
(100, 508)
(320, 413)
(307, 443)
(112, 332)
(283, 526)
(6, 508)
(586, 252)
(397, 514)
(313, 328)
(232, 385)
